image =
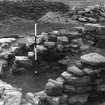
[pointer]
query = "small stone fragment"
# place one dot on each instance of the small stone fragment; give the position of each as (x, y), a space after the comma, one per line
(66, 75)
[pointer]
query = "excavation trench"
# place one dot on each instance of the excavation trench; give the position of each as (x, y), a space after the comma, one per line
(28, 81)
(56, 53)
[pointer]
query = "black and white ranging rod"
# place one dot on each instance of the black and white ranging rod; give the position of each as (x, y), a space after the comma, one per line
(35, 47)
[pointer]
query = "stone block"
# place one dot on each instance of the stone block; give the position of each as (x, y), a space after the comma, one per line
(53, 88)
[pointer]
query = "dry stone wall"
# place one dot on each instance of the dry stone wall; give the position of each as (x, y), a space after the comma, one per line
(77, 85)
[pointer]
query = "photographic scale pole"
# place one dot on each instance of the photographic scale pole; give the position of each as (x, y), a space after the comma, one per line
(35, 49)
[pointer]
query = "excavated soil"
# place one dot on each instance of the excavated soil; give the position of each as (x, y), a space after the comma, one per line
(29, 82)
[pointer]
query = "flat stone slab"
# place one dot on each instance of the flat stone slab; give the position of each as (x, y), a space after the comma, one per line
(7, 40)
(93, 59)
(21, 58)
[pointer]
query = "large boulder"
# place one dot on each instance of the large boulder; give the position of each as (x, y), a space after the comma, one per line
(12, 97)
(49, 44)
(4, 85)
(9, 94)
(41, 49)
(93, 59)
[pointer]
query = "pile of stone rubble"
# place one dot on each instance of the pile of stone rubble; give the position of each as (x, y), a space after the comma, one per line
(91, 14)
(81, 82)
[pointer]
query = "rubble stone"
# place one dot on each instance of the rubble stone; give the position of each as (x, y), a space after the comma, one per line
(75, 70)
(60, 47)
(16, 69)
(100, 88)
(63, 39)
(21, 50)
(53, 88)
(12, 97)
(60, 79)
(78, 99)
(49, 44)
(63, 99)
(3, 66)
(48, 101)
(89, 71)
(66, 75)
(79, 64)
(7, 40)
